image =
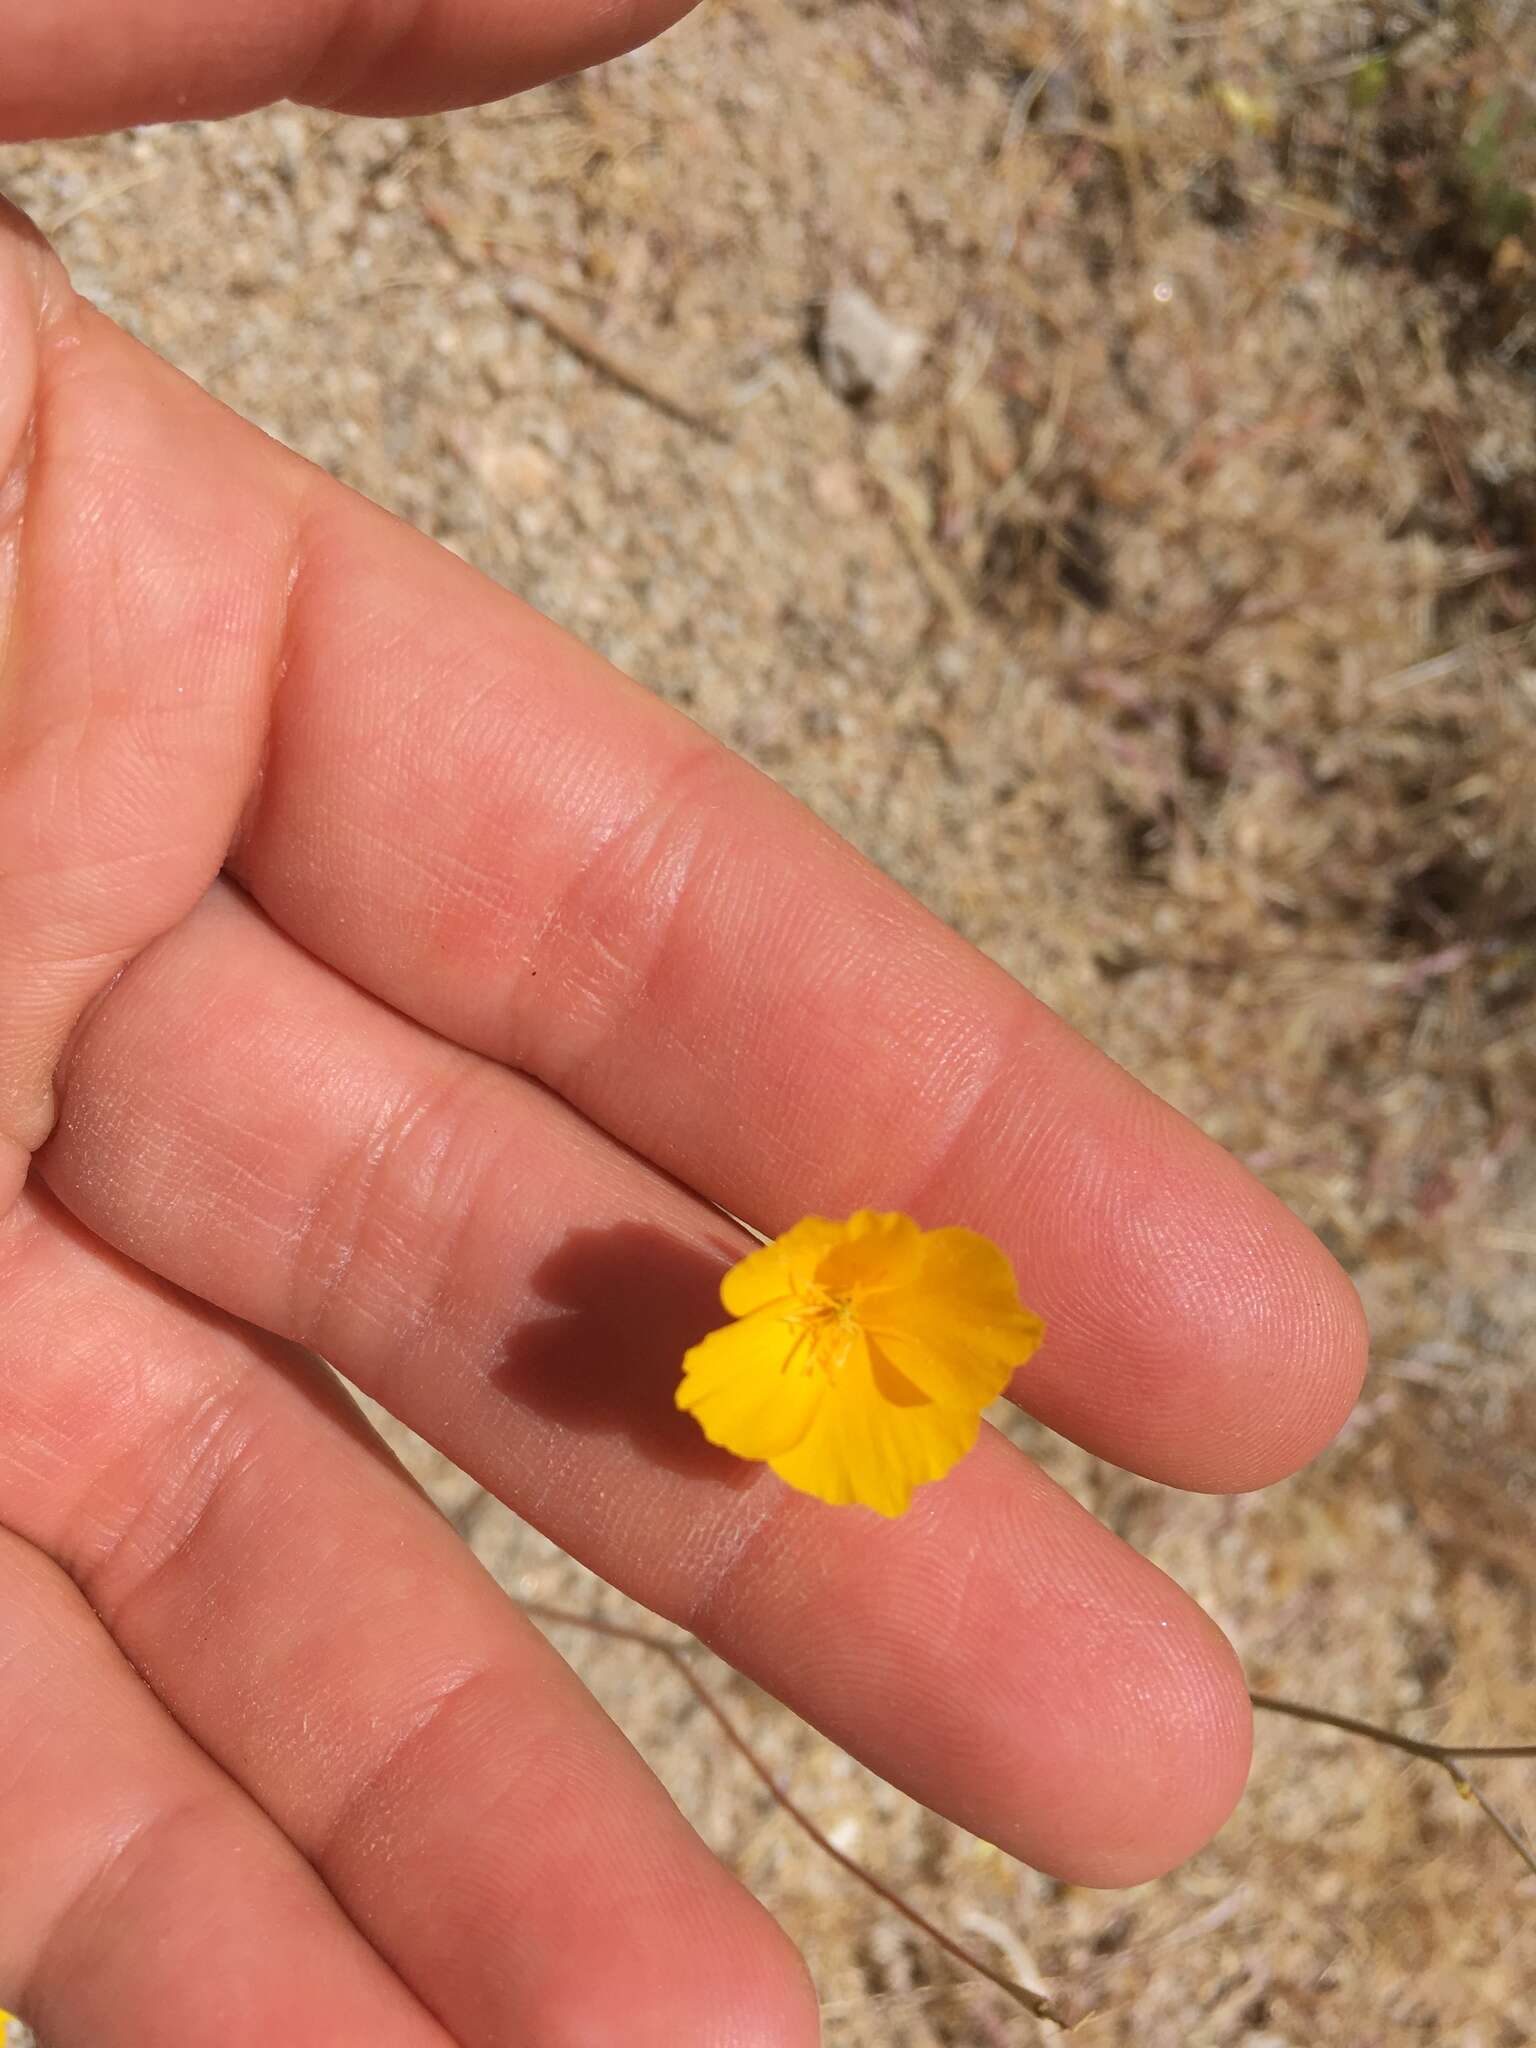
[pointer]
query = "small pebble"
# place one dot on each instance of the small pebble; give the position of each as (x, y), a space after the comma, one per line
(862, 353)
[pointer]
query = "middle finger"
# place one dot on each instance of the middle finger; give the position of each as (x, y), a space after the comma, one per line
(520, 1289)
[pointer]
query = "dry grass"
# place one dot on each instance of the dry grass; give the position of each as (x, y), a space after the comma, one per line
(1170, 633)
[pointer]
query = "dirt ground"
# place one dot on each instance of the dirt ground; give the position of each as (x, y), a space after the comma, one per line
(1171, 631)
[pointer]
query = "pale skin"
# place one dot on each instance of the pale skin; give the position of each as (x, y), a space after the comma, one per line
(383, 977)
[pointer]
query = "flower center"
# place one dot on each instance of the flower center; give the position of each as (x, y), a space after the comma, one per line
(826, 1326)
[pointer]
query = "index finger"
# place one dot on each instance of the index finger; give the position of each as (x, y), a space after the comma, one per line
(99, 64)
(474, 818)
(482, 823)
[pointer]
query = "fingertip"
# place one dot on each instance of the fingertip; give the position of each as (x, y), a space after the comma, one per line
(1311, 1345)
(765, 2000)
(1151, 1804)
(107, 64)
(740, 1983)
(1113, 1713)
(450, 55)
(1277, 1350)
(1197, 1333)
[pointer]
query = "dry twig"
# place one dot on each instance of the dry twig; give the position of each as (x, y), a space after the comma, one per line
(1032, 2001)
(1449, 1756)
(908, 514)
(524, 296)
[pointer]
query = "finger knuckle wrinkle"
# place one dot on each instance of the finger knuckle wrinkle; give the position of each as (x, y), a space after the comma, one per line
(126, 1855)
(176, 1501)
(380, 1206)
(614, 939)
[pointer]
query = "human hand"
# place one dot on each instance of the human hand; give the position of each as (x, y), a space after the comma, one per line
(511, 977)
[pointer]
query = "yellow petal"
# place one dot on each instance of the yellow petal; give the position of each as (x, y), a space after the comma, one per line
(956, 1329)
(749, 1386)
(878, 1249)
(967, 1268)
(864, 1356)
(863, 1446)
(780, 1268)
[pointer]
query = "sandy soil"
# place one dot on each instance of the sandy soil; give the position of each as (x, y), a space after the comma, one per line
(1168, 630)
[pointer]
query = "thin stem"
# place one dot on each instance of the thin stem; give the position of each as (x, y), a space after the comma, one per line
(1506, 1828)
(1032, 2001)
(1411, 1745)
(1448, 1756)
